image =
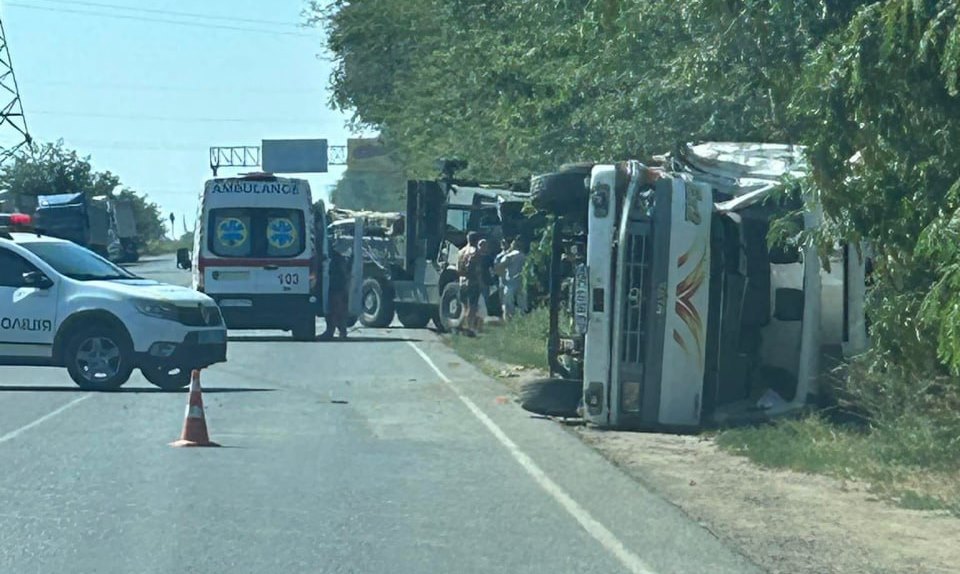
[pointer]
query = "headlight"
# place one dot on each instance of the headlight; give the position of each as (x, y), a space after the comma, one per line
(157, 309)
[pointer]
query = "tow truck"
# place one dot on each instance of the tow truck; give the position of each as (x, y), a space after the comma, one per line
(680, 313)
(416, 278)
(62, 305)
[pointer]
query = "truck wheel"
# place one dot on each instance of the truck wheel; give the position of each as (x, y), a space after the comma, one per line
(450, 307)
(413, 317)
(307, 331)
(166, 377)
(377, 303)
(99, 358)
(552, 397)
(561, 193)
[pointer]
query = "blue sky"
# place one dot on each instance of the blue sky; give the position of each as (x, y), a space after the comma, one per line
(146, 99)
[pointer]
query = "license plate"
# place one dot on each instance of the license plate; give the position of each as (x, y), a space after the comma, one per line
(212, 337)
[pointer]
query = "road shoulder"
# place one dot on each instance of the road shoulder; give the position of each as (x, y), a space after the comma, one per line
(784, 521)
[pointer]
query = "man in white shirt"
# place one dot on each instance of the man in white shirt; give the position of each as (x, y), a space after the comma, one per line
(510, 269)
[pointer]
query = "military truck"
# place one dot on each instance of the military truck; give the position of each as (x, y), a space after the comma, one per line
(411, 258)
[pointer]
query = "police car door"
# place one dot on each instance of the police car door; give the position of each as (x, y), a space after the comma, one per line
(28, 308)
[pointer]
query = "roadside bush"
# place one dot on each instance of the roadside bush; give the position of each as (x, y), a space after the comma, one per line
(913, 419)
(522, 341)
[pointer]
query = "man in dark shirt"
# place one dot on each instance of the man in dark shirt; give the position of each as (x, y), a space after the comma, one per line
(337, 310)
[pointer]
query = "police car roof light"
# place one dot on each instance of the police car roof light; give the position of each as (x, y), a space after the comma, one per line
(20, 219)
(11, 222)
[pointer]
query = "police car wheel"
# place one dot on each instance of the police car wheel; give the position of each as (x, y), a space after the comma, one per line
(166, 377)
(99, 358)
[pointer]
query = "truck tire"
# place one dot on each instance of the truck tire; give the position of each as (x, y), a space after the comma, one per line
(166, 377)
(306, 331)
(561, 193)
(450, 308)
(413, 317)
(552, 397)
(99, 358)
(377, 303)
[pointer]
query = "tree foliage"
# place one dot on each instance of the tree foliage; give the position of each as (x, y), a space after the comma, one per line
(872, 87)
(56, 169)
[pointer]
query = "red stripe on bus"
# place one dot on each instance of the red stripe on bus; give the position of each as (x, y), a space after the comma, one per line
(240, 262)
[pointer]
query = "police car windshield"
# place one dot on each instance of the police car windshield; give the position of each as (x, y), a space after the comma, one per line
(75, 262)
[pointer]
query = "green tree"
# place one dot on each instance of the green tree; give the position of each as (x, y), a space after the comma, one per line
(872, 87)
(56, 169)
(880, 110)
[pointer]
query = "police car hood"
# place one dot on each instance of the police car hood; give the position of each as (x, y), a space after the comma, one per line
(149, 289)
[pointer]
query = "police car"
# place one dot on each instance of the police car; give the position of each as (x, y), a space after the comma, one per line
(62, 305)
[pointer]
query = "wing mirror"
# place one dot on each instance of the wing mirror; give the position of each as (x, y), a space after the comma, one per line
(183, 259)
(37, 279)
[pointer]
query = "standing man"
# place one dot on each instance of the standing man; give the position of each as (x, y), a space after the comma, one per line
(338, 307)
(512, 268)
(467, 261)
(499, 270)
(483, 272)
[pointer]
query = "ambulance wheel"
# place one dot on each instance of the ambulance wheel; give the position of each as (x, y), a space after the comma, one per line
(307, 331)
(450, 308)
(413, 317)
(99, 358)
(377, 303)
(166, 377)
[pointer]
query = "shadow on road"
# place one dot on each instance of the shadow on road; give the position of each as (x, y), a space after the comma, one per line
(131, 390)
(282, 339)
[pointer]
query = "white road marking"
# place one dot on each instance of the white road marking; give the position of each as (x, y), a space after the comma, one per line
(15, 433)
(598, 531)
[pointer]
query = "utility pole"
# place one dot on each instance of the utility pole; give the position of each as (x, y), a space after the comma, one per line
(13, 125)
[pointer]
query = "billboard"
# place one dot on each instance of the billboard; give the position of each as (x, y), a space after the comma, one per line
(294, 156)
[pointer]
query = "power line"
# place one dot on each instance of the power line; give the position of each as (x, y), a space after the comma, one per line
(162, 88)
(160, 20)
(218, 18)
(138, 117)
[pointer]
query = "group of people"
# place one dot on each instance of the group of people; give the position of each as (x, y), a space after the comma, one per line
(480, 270)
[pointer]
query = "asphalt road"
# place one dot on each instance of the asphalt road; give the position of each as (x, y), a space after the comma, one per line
(386, 453)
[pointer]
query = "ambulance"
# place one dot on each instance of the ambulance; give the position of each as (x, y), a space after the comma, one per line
(259, 255)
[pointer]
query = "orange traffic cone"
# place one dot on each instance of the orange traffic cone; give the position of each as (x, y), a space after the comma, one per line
(194, 425)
